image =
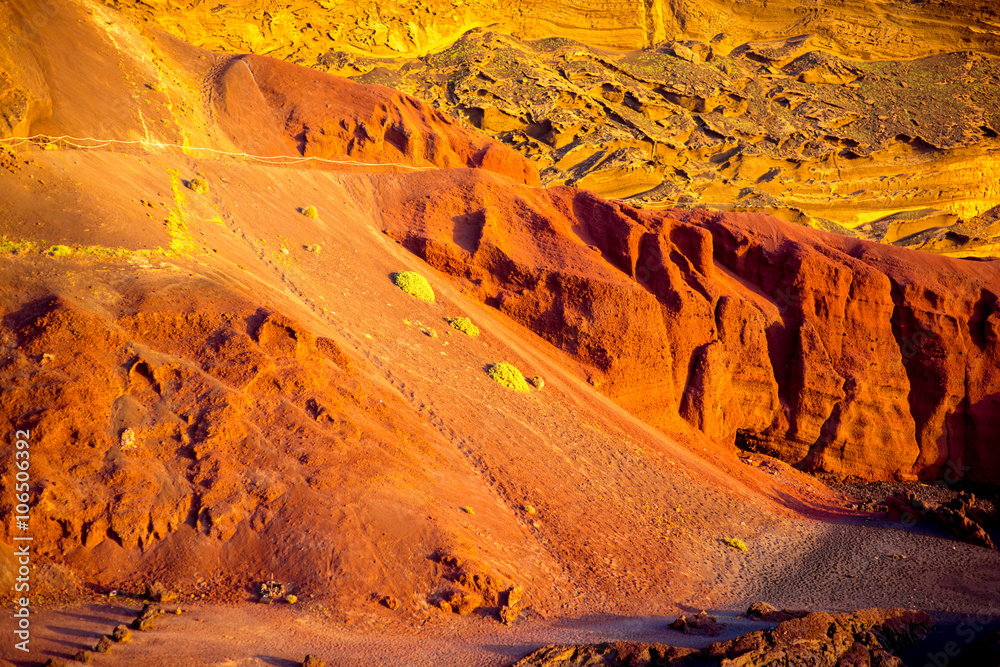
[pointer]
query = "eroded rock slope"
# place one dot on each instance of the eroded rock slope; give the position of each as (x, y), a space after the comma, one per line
(833, 353)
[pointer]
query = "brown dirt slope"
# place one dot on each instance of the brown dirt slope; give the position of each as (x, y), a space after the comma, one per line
(226, 436)
(193, 421)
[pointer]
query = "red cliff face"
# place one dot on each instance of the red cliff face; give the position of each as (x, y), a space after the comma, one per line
(835, 354)
(269, 107)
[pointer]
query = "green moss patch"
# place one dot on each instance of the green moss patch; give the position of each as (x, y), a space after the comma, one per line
(414, 284)
(60, 251)
(8, 247)
(508, 375)
(736, 543)
(464, 324)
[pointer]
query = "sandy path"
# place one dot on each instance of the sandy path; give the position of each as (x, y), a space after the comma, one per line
(251, 634)
(832, 566)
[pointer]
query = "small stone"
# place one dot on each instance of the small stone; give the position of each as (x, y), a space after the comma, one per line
(121, 634)
(514, 596)
(684, 53)
(466, 603)
(509, 614)
(150, 610)
(143, 624)
(158, 592)
(272, 589)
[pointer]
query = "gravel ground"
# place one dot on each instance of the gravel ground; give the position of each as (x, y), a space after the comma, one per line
(862, 563)
(933, 494)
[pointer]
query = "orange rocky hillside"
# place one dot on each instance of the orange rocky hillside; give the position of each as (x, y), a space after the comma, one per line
(220, 389)
(835, 354)
(200, 326)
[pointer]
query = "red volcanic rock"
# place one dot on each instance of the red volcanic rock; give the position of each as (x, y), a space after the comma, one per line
(270, 107)
(836, 354)
(866, 637)
(963, 520)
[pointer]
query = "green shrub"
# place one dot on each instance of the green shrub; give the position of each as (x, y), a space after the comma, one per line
(14, 247)
(464, 324)
(60, 251)
(414, 284)
(736, 543)
(310, 212)
(198, 184)
(507, 375)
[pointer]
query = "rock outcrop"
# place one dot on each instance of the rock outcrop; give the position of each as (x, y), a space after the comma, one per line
(268, 107)
(783, 127)
(872, 636)
(835, 354)
(847, 117)
(961, 517)
(307, 28)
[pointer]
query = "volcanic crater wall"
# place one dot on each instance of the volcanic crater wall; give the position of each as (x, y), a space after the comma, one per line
(835, 354)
